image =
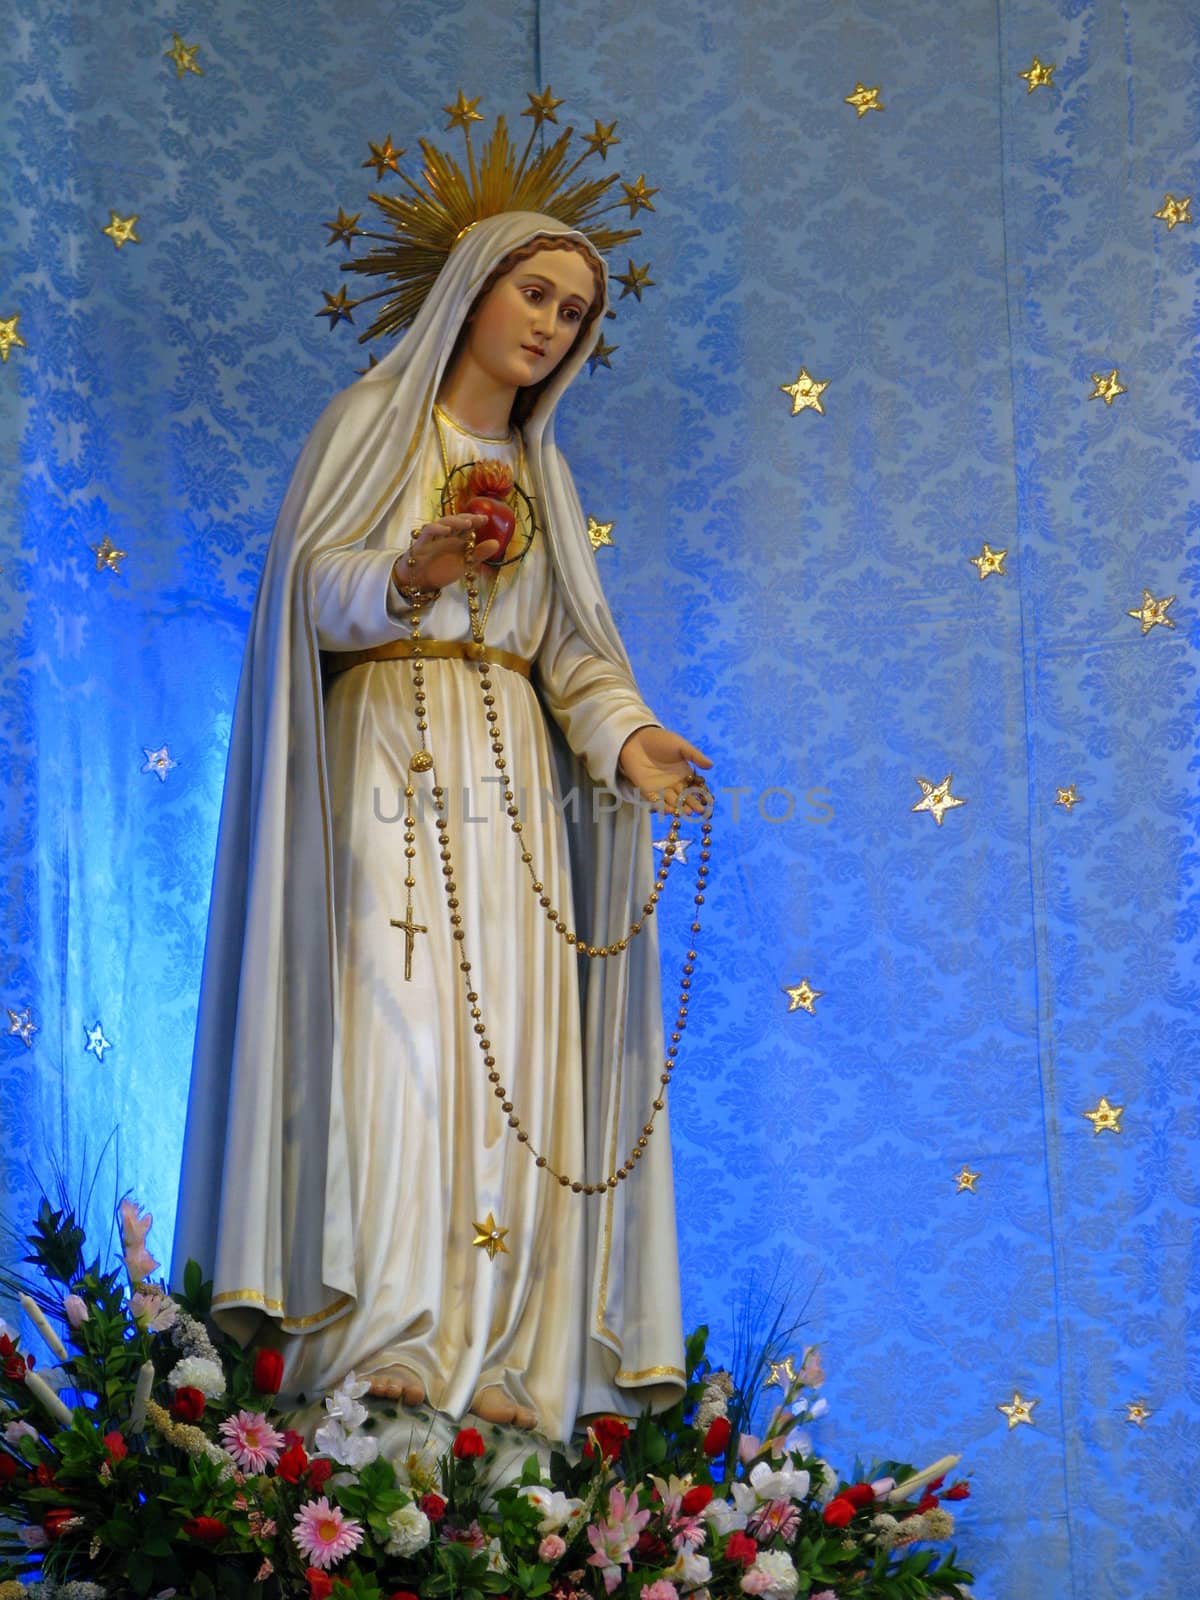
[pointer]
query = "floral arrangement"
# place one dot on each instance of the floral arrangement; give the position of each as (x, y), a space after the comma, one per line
(171, 1474)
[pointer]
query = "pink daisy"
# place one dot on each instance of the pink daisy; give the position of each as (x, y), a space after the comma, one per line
(251, 1440)
(324, 1533)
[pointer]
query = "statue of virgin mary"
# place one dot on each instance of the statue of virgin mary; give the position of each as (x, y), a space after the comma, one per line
(348, 1171)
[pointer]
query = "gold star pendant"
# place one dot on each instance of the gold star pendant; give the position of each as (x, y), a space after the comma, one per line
(1153, 613)
(782, 1374)
(337, 307)
(107, 555)
(542, 107)
(599, 356)
(462, 113)
(600, 138)
(489, 1236)
(990, 561)
(1105, 1117)
(1018, 1411)
(1107, 387)
(1174, 211)
(342, 229)
(635, 280)
(801, 997)
(184, 57)
(1067, 797)
(937, 797)
(1137, 1411)
(864, 100)
(10, 339)
(806, 393)
(965, 1180)
(120, 230)
(600, 532)
(384, 158)
(637, 196)
(1041, 72)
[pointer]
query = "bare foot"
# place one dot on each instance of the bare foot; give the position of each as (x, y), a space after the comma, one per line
(397, 1383)
(494, 1405)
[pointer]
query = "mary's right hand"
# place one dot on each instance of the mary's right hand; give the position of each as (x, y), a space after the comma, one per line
(438, 554)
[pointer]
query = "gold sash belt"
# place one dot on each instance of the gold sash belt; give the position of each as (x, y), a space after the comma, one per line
(429, 650)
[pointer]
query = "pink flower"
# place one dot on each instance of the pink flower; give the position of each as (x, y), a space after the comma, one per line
(748, 1447)
(33, 1537)
(777, 1518)
(660, 1589)
(264, 1572)
(251, 1440)
(812, 1373)
(325, 1534)
(552, 1548)
(139, 1263)
(613, 1539)
(756, 1581)
(76, 1310)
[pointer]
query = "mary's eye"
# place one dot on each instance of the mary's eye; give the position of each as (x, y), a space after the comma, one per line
(534, 291)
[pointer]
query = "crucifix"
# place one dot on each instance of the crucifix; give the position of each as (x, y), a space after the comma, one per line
(411, 929)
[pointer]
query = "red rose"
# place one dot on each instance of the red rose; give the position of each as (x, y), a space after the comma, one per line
(320, 1584)
(859, 1495)
(318, 1472)
(741, 1547)
(8, 1468)
(838, 1512)
(205, 1530)
(467, 1443)
(926, 1503)
(433, 1506)
(960, 1491)
(114, 1443)
(53, 1521)
(188, 1405)
(695, 1500)
(291, 1437)
(6, 1345)
(293, 1463)
(612, 1434)
(268, 1371)
(43, 1476)
(403, 1594)
(717, 1438)
(14, 1368)
(650, 1548)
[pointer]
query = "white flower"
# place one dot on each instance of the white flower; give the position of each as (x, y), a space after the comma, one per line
(495, 1557)
(690, 1570)
(827, 1486)
(417, 1470)
(886, 1529)
(784, 1483)
(348, 1449)
(343, 1404)
(782, 1578)
(16, 1431)
(197, 1372)
(557, 1509)
(723, 1517)
(939, 1523)
(409, 1529)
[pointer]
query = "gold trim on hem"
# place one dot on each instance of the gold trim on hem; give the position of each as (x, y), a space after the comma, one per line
(251, 1298)
(651, 1372)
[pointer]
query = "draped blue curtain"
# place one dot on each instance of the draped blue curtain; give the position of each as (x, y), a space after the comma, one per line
(964, 269)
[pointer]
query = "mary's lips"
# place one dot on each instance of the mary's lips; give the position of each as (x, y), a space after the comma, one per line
(533, 350)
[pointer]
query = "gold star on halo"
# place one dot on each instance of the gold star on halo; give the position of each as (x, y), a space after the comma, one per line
(342, 229)
(1153, 613)
(781, 1370)
(1108, 387)
(1174, 211)
(384, 158)
(864, 100)
(1137, 1411)
(806, 393)
(599, 356)
(803, 997)
(184, 57)
(542, 107)
(965, 1180)
(990, 561)
(462, 113)
(599, 533)
(637, 196)
(337, 307)
(10, 339)
(1067, 797)
(107, 555)
(120, 229)
(1105, 1118)
(1019, 1410)
(601, 138)
(635, 280)
(489, 1236)
(1041, 72)
(937, 797)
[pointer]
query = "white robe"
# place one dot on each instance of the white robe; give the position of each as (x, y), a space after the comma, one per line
(430, 1152)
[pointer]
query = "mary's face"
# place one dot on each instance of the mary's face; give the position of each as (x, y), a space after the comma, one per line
(531, 316)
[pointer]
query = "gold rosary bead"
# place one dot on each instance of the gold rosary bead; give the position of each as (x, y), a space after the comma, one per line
(484, 682)
(691, 955)
(526, 857)
(622, 944)
(513, 812)
(410, 852)
(540, 1162)
(514, 1122)
(491, 715)
(485, 1044)
(665, 1077)
(622, 1172)
(438, 790)
(493, 1077)
(522, 1137)
(489, 1061)
(571, 939)
(410, 883)
(689, 969)
(576, 1188)
(564, 1180)
(464, 966)
(635, 927)
(472, 997)
(409, 790)
(676, 1037)
(489, 699)
(685, 983)
(641, 1145)
(500, 1091)
(451, 887)
(589, 1188)
(457, 933)
(699, 899)
(592, 951)
(659, 1104)
(648, 1129)
(455, 919)
(518, 827)
(452, 902)
(560, 927)
(475, 1011)
(479, 1028)
(695, 927)
(447, 872)
(537, 889)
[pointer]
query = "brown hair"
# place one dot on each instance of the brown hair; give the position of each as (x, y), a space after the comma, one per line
(527, 398)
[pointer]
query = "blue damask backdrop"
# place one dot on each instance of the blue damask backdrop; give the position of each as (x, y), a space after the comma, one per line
(796, 590)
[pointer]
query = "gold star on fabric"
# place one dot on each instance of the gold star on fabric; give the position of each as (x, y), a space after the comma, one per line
(337, 307)
(462, 113)
(184, 57)
(600, 532)
(802, 997)
(373, 361)
(384, 158)
(1041, 72)
(1105, 1118)
(542, 107)
(864, 100)
(1067, 797)
(120, 230)
(965, 1180)
(10, 339)
(1107, 387)
(637, 196)
(107, 555)
(635, 280)
(489, 1236)
(806, 393)
(1137, 1411)
(990, 561)
(599, 356)
(600, 138)
(937, 797)
(342, 229)
(781, 1371)
(1153, 613)
(1174, 211)
(1018, 1411)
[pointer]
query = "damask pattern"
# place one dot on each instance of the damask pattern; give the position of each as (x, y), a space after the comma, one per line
(797, 594)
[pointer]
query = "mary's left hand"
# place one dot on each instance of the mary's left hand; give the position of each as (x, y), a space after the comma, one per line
(659, 763)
